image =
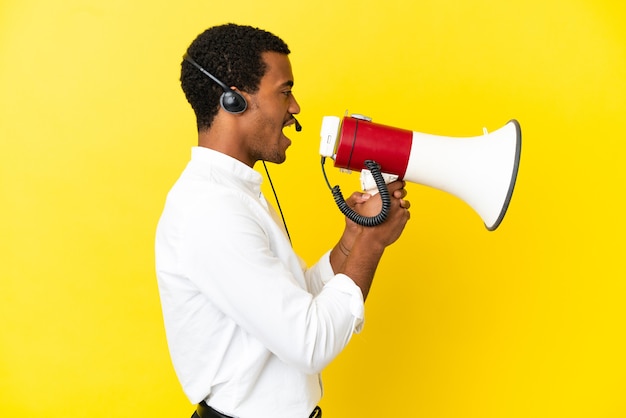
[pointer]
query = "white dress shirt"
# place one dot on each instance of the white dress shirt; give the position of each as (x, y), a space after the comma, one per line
(249, 327)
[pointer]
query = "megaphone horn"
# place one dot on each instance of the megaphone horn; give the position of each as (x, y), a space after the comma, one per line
(479, 170)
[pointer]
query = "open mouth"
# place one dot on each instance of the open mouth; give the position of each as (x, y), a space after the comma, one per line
(289, 122)
(293, 121)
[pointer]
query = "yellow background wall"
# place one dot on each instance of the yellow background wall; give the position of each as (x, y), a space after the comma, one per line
(526, 321)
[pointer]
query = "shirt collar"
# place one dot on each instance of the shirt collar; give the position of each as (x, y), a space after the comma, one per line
(211, 159)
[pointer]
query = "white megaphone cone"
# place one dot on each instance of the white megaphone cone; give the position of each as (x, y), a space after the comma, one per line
(479, 170)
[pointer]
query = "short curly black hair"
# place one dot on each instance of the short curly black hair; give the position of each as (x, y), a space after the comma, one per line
(232, 53)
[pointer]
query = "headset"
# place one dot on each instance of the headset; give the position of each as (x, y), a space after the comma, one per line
(231, 100)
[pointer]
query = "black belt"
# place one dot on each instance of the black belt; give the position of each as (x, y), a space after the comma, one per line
(205, 411)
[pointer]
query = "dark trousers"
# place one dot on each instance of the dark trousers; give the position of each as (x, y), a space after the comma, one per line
(205, 411)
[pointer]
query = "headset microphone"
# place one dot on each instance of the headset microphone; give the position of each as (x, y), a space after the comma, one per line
(298, 126)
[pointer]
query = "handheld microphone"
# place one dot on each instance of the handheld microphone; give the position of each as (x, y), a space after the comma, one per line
(298, 126)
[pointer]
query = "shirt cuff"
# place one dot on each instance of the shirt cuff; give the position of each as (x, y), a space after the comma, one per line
(325, 268)
(345, 284)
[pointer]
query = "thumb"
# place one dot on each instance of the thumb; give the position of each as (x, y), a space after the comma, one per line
(357, 198)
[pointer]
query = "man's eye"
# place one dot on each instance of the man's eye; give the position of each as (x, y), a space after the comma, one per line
(287, 93)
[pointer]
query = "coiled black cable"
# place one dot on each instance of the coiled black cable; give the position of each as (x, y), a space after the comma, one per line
(351, 213)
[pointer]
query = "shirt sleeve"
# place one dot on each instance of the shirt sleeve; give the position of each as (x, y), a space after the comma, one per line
(321, 274)
(227, 253)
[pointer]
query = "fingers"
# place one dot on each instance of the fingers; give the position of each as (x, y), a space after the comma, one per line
(396, 187)
(357, 198)
(400, 193)
(397, 190)
(404, 206)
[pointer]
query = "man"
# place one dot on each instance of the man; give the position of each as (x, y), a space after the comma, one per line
(249, 326)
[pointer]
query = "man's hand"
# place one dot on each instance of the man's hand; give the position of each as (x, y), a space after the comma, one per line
(369, 205)
(360, 248)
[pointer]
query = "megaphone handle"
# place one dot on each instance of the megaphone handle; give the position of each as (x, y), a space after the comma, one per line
(368, 184)
(384, 195)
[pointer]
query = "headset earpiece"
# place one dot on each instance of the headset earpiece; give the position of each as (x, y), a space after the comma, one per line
(231, 101)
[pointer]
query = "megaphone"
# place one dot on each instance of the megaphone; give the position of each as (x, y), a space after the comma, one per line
(480, 170)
